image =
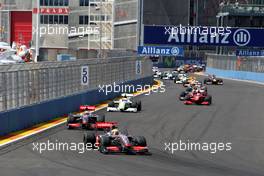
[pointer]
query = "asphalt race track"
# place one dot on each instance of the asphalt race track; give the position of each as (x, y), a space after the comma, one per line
(235, 116)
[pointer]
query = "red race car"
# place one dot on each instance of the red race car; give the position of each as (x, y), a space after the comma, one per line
(117, 142)
(88, 119)
(198, 98)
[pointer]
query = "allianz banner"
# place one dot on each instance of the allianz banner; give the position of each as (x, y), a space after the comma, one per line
(192, 35)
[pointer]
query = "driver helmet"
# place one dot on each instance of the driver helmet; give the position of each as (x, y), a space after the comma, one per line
(115, 132)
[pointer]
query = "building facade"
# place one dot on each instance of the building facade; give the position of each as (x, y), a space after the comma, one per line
(58, 26)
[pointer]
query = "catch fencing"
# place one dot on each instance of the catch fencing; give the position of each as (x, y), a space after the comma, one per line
(27, 84)
(231, 62)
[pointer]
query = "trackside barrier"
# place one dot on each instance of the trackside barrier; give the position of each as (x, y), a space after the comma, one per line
(25, 117)
(243, 75)
(27, 84)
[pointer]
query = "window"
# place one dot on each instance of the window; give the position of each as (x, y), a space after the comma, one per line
(66, 3)
(54, 2)
(54, 19)
(46, 2)
(41, 19)
(92, 18)
(61, 2)
(84, 19)
(81, 21)
(65, 19)
(61, 20)
(84, 2)
(51, 3)
(51, 17)
(46, 19)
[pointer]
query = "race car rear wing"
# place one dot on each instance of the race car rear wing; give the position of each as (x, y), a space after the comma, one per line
(104, 125)
(87, 108)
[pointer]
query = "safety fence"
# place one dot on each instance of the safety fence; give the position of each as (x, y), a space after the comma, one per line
(27, 84)
(231, 62)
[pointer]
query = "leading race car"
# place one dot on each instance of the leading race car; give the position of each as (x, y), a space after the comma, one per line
(199, 98)
(125, 104)
(192, 89)
(213, 80)
(117, 142)
(88, 120)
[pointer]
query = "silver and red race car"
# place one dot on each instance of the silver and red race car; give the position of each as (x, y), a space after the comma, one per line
(198, 98)
(120, 142)
(88, 119)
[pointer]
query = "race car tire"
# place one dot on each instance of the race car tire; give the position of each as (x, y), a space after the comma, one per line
(187, 97)
(70, 119)
(101, 118)
(105, 141)
(208, 99)
(139, 106)
(220, 81)
(134, 105)
(111, 104)
(206, 80)
(182, 96)
(141, 141)
(89, 138)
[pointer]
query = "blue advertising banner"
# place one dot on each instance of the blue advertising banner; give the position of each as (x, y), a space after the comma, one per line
(172, 62)
(256, 53)
(160, 51)
(194, 35)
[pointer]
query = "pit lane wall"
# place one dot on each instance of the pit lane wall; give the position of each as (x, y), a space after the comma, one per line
(121, 71)
(230, 66)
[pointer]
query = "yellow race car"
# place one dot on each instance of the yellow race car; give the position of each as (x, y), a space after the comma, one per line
(190, 81)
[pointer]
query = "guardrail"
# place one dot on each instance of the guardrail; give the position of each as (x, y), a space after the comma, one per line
(34, 93)
(26, 84)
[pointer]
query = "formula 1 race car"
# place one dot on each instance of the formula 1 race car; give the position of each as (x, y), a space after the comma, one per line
(125, 104)
(117, 142)
(157, 74)
(189, 81)
(174, 75)
(181, 78)
(198, 98)
(198, 68)
(88, 120)
(185, 93)
(167, 75)
(189, 90)
(213, 80)
(180, 69)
